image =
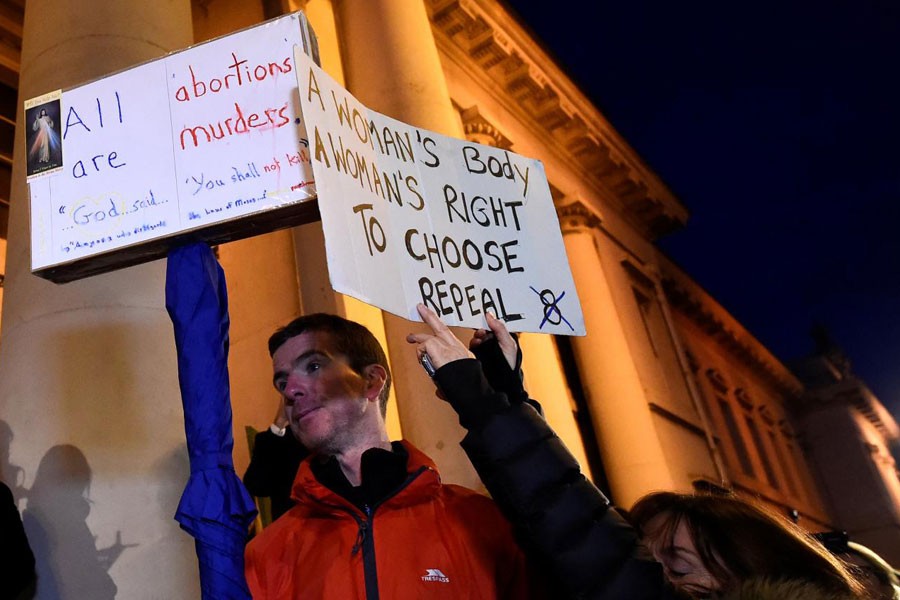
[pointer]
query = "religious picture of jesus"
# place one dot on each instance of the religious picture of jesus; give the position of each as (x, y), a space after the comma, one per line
(43, 139)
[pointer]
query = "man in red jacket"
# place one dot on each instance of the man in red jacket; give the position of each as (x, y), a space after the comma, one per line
(372, 518)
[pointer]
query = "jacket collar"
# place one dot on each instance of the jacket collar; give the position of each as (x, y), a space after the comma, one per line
(421, 484)
(383, 471)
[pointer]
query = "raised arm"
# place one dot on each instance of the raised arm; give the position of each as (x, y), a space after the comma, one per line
(559, 516)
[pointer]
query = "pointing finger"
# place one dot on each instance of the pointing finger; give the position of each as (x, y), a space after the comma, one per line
(496, 326)
(431, 319)
(508, 345)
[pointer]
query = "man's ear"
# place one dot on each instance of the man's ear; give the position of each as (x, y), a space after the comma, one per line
(375, 376)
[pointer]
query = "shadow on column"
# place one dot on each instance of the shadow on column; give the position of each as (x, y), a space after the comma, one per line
(17, 577)
(69, 565)
(12, 475)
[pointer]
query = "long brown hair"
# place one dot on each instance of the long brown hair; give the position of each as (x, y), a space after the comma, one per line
(738, 540)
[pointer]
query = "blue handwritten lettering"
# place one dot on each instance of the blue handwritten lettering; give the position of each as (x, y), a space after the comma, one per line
(85, 214)
(74, 119)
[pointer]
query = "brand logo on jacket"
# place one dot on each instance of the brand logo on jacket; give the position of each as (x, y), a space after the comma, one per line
(435, 575)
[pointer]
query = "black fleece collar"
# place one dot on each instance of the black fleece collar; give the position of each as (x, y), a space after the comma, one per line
(383, 471)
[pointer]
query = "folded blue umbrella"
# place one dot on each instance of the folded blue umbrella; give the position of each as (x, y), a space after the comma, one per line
(215, 508)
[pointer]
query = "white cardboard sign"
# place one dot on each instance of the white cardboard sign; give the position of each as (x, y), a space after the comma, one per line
(206, 135)
(414, 216)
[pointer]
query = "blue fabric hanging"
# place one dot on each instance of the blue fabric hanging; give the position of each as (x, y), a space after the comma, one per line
(215, 508)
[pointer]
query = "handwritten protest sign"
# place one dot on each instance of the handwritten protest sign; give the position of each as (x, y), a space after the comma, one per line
(187, 146)
(413, 216)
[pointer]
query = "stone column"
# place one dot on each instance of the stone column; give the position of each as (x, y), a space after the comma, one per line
(391, 62)
(632, 455)
(391, 65)
(316, 294)
(88, 381)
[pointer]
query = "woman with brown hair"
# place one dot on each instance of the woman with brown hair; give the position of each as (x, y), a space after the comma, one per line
(714, 545)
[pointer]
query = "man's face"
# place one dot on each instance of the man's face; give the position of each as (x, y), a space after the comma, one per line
(325, 400)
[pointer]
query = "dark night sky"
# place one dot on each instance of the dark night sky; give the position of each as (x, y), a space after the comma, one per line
(778, 125)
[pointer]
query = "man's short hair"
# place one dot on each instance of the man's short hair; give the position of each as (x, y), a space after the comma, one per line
(349, 338)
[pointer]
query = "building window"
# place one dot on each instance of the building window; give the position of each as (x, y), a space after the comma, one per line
(783, 459)
(763, 454)
(644, 290)
(644, 307)
(804, 476)
(737, 441)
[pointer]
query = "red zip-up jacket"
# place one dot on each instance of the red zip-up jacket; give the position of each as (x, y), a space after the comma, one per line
(427, 540)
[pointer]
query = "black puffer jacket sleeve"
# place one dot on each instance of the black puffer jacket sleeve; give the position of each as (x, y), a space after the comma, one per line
(560, 517)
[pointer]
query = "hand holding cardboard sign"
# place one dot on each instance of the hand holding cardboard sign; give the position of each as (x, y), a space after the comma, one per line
(442, 347)
(497, 328)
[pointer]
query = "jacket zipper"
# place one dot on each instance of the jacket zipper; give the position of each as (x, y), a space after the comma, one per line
(365, 539)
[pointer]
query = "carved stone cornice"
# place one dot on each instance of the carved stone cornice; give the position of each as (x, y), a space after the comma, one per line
(766, 413)
(576, 217)
(717, 381)
(744, 399)
(484, 40)
(481, 131)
